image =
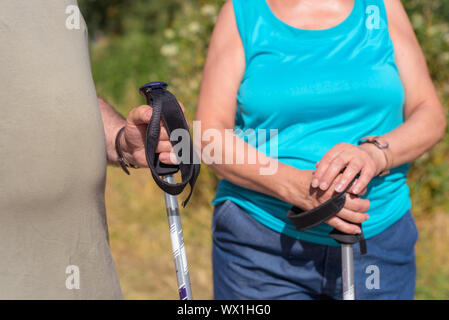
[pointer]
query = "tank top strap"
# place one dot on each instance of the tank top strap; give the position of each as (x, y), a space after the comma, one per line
(246, 14)
(376, 14)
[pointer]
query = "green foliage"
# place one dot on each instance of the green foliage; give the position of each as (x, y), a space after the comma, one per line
(118, 17)
(429, 178)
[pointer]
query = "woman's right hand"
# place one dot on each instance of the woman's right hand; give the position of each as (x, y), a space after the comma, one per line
(354, 210)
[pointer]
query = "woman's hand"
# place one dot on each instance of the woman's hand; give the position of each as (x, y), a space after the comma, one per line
(133, 139)
(353, 212)
(365, 159)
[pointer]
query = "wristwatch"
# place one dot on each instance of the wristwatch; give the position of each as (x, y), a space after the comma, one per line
(383, 145)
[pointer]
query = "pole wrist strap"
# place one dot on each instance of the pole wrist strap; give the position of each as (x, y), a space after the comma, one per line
(167, 109)
(304, 220)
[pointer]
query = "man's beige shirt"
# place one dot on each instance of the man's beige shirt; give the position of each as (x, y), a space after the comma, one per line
(53, 159)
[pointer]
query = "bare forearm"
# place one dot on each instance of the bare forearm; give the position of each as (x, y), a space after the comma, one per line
(247, 167)
(424, 128)
(112, 122)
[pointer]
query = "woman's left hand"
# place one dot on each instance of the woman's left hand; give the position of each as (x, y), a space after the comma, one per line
(365, 159)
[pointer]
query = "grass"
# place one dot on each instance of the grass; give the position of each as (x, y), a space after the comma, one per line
(433, 256)
(140, 239)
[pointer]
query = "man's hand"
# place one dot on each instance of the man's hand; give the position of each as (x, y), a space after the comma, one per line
(133, 140)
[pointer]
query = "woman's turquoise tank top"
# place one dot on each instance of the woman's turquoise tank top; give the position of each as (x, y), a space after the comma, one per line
(318, 88)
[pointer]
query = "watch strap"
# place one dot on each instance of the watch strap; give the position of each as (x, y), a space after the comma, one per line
(383, 145)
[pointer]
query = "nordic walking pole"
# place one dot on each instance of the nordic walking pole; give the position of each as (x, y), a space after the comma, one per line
(167, 110)
(304, 220)
(347, 242)
(347, 275)
(177, 243)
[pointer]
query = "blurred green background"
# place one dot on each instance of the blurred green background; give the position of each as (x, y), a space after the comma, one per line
(136, 41)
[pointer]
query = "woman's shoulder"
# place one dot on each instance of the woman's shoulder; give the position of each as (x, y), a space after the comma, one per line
(398, 22)
(243, 7)
(396, 13)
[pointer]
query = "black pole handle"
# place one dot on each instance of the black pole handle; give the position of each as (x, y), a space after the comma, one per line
(304, 220)
(161, 168)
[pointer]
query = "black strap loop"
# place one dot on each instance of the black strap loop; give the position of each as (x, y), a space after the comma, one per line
(166, 108)
(304, 220)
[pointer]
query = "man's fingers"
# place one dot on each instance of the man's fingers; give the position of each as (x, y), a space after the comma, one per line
(140, 115)
(163, 135)
(168, 158)
(164, 146)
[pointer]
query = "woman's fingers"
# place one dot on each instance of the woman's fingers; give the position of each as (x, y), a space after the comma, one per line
(354, 203)
(348, 160)
(367, 173)
(333, 170)
(353, 213)
(341, 163)
(324, 164)
(353, 216)
(343, 226)
(352, 169)
(362, 193)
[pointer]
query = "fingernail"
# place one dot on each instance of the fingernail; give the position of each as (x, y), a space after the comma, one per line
(315, 183)
(356, 190)
(358, 230)
(323, 186)
(339, 187)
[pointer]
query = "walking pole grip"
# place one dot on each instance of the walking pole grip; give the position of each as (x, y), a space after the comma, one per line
(167, 109)
(161, 169)
(304, 220)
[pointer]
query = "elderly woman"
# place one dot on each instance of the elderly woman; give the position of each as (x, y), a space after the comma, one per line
(325, 74)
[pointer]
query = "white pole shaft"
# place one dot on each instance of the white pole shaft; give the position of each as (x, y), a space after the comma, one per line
(177, 241)
(347, 259)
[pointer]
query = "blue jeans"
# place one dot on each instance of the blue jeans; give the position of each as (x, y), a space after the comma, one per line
(251, 261)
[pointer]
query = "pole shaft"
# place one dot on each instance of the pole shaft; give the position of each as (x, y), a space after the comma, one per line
(177, 241)
(347, 258)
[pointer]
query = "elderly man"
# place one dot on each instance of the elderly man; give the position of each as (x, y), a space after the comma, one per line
(56, 139)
